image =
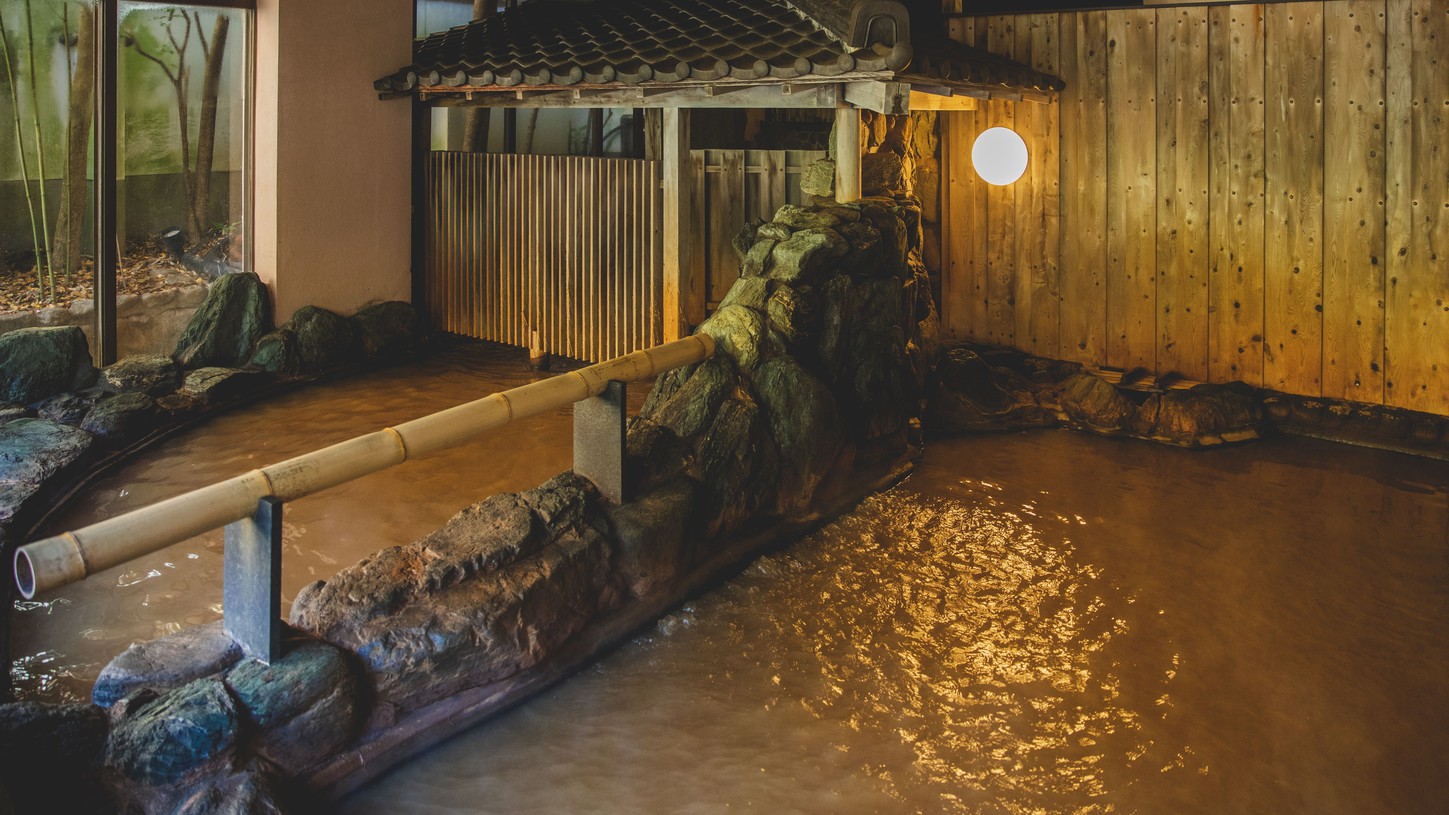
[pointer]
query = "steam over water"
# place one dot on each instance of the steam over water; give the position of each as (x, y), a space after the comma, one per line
(1037, 623)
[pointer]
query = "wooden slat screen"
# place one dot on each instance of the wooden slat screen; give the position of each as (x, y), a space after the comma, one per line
(569, 246)
(1255, 192)
(735, 186)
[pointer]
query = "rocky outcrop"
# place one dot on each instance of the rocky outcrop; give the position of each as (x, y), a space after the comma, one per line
(38, 363)
(489, 594)
(1012, 391)
(34, 452)
(234, 315)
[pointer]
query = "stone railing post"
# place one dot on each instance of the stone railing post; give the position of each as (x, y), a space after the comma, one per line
(252, 582)
(599, 430)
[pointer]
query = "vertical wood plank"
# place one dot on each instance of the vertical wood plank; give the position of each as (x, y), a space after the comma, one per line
(726, 216)
(999, 323)
(1182, 192)
(774, 183)
(1418, 283)
(1354, 216)
(1047, 299)
(1236, 319)
(678, 186)
(1028, 266)
(1131, 186)
(1084, 186)
(1294, 207)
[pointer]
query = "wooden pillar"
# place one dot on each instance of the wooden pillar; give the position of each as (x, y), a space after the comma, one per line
(847, 154)
(683, 283)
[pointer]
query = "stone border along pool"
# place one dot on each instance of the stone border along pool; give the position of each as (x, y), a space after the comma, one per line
(815, 397)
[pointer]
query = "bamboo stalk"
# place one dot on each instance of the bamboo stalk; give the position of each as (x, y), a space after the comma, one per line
(57, 561)
(20, 147)
(39, 147)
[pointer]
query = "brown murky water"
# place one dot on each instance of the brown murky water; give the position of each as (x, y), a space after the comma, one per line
(62, 642)
(1042, 623)
(1037, 623)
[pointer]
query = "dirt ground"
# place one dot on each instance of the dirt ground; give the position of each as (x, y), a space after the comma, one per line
(144, 268)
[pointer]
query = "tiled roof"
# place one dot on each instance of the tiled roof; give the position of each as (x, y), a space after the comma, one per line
(631, 42)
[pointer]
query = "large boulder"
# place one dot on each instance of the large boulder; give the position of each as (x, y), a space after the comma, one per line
(1202, 416)
(805, 254)
(33, 452)
(276, 353)
(805, 426)
(737, 332)
(390, 330)
(302, 708)
(223, 330)
(183, 733)
(481, 599)
(37, 363)
(649, 533)
(1091, 402)
(324, 340)
(691, 406)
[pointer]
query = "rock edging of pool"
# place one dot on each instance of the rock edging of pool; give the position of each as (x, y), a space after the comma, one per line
(62, 420)
(812, 400)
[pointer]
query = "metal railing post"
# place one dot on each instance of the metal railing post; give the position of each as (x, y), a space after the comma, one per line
(252, 582)
(599, 430)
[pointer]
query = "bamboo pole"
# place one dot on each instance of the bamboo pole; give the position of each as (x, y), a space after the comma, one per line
(57, 561)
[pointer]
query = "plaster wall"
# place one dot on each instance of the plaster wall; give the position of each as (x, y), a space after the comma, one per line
(333, 162)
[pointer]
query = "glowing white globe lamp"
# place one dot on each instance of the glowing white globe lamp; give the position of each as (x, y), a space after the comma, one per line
(999, 156)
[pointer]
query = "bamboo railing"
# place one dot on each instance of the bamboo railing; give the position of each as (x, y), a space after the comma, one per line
(57, 561)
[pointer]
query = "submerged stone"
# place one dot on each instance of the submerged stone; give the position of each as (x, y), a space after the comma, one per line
(37, 363)
(223, 330)
(178, 734)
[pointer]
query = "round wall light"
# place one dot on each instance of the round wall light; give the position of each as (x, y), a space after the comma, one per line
(999, 156)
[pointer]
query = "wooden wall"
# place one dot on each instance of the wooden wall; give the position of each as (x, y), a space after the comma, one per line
(1234, 192)
(568, 246)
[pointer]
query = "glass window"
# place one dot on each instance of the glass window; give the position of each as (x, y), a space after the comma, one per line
(182, 157)
(47, 99)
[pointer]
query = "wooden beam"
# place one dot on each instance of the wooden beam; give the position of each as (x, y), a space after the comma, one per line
(818, 95)
(847, 154)
(925, 100)
(683, 282)
(882, 97)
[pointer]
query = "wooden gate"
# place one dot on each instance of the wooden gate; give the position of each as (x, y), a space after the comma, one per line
(730, 188)
(567, 246)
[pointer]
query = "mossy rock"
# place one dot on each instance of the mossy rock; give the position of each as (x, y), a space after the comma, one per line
(276, 353)
(38, 363)
(392, 330)
(737, 332)
(223, 330)
(805, 254)
(192, 727)
(325, 341)
(804, 424)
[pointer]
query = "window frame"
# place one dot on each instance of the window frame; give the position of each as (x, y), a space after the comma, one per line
(107, 237)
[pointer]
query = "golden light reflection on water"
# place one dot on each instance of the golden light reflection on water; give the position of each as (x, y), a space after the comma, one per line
(967, 629)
